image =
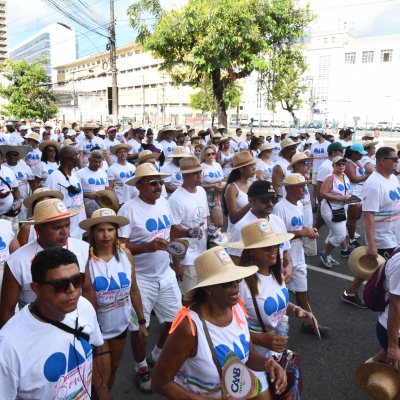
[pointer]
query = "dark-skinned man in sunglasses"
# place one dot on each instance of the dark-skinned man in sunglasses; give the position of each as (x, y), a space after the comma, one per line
(147, 236)
(262, 198)
(46, 348)
(51, 219)
(65, 180)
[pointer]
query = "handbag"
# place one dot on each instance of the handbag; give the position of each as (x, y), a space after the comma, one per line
(289, 361)
(340, 214)
(17, 204)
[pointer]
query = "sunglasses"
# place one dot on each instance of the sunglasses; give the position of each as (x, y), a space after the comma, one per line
(270, 199)
(210, 154)
(62, 285)
(227, 285)
(307, 163)
(394, 159)
(155, 182)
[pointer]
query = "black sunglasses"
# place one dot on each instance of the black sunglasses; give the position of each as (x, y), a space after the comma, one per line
(155, 182)
(62, 285)
(227, 285)
(394, 159)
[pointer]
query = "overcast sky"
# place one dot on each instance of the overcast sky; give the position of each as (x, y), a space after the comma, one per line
(367, 17)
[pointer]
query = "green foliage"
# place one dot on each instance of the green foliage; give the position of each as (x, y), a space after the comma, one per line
(28, 91)
(222, 41)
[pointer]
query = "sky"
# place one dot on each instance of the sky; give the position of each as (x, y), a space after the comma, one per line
(27, 17)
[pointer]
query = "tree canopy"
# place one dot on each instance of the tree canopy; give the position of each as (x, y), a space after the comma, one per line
(28, 91)
(220, 40)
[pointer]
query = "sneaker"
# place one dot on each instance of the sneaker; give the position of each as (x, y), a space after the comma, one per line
(150, 362)
(353, 299)
(143, 380)
(326, 261)
(354, 244)
(334, 262)
(356, 235)
(315, 208)
(323, 330)
(346, 253)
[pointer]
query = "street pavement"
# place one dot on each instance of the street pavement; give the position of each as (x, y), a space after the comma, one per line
(328, 365)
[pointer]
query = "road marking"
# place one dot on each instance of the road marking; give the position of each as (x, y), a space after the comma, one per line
(327, 272)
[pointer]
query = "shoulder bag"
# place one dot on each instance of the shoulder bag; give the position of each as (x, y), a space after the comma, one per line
(338, 215)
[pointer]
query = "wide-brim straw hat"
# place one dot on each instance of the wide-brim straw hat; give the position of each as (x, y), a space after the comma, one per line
(242, 159)
(361, 264)
(69, 142)
(178, 152)
(103, 215)
(144, 170)
(214, 267)
(188, 165)
(287, 143)
(222, 140)
(368, 143)
(21, 150)
(295, 179)
(114, 149)
(52, 210)
(107, 199)
(265, 147)
(40, 193)
(298, 157)
(164, 130)
(147, 155)
(47, 143)
(338, 158)
(259, 234)
(32, 135)
(379, 381)
(89, 126)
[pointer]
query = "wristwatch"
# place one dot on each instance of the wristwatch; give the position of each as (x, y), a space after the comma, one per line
(142, 322)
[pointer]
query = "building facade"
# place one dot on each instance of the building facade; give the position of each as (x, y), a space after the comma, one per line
(3, 30)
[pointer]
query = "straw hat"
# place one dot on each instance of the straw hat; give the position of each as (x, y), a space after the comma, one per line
(287, 143)
(21, 150)
(47, 143)
(264, 147)
(298, 157)
(338, 158)
(101, 216)
(164, 130)
(32, 135)
(222, 140)
(114, 149)
(295, 179)
(144, 170)
(361, 264)
(188, 165)
(107, 199)
(179, 152)
(259, 234)
(242, 159)
(69, 142)
(365, 143)
(379, 381)
(89, 126)
(40, 193)
(214, 267)
(52, 210)
(146, 155)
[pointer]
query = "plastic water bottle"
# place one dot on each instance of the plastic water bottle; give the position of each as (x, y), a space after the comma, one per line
(282, 328)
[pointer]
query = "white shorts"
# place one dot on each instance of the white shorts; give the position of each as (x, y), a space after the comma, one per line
(163, 296)
(337, 230)
(189, 278)
(314, 177)
(299, 280)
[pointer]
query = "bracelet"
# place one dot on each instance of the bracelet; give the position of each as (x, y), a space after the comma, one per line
(296, 311)
(189, 233)
(142, 322)
(268, 361)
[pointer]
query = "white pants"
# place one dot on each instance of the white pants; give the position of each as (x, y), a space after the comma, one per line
(337, 230)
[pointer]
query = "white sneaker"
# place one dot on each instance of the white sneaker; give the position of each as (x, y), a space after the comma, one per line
(356, 235)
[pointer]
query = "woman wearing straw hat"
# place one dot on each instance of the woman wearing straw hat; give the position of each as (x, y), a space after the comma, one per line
(368, 160)
(49, 161)
(211, 178)
(265, 164)
(195, 354)
(34, 155)
(224, 155)
(113, 278)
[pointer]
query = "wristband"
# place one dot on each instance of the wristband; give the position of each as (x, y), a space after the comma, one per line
(268, 362)
(142, 322)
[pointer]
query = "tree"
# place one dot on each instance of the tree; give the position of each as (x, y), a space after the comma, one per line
(223, 41)
(28, 91)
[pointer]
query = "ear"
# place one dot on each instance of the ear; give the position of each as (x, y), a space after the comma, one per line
(251, 201)
(35, 288)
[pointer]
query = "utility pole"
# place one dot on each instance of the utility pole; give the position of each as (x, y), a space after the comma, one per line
(163, 99)
(113, 63)
(144, 101)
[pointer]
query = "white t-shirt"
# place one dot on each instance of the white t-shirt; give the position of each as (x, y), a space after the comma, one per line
(6, 237)
(147, 222)
(92, 181)
(8, 175)
(392, 285)
(276, 150)
(110, 143)
(319, 153)
(367, 159)
(120, 174)
(57, 181)
(176, 178)
(20, 261)
(15, 137)
(167, 147)
(211, 173)
(283, 163)
(24, 174)
(86, 145)
(382, 197)
(136, 146)
(325, 169)
(266, 169)
(190, 210)
(33, 157)
(293, 218)
(43, 169)
(47, 363)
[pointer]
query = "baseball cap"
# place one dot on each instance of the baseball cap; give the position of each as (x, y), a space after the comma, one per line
(335, 146)
(358, 148)
(261, 189)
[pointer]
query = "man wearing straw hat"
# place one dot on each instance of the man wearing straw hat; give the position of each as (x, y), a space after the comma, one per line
(190, 210)
(136, 142)
(165, 140)
(147, 237)
(171, 168)
(52, 224)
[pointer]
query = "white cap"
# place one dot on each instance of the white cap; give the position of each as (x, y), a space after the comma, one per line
(293, 132)
(71, 132)
(101, 132)
(277, 132)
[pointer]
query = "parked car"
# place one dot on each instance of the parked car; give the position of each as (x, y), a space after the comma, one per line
(276, 124)
(396, 127)
(383, 126)
(314, 124)
(244, 121)
(265, 123)
(285, 124)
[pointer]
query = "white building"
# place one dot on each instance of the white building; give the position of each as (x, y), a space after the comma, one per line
(3, 30)
(57, 42)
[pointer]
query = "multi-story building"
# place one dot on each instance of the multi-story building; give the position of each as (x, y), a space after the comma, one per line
(56, 42)
(3, 30)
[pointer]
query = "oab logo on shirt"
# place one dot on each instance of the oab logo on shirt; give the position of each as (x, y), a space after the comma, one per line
(2, 244)
(394, 195)
(126, 175)
(240, 349)
(158, 227)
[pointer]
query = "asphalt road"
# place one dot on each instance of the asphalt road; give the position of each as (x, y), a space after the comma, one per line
(328, 366)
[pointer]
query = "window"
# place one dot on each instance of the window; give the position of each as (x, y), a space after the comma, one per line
(325, 40)
(350, 58)
(333, 39)
(386, 55)
(367, 57)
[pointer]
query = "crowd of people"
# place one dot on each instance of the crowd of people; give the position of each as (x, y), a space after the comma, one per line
(208, 230)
